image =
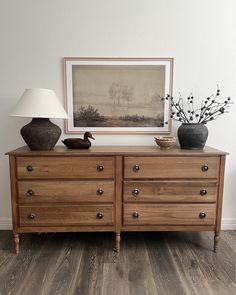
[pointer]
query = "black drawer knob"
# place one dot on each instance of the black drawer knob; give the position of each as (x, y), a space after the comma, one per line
(202, 215)
(29, 168)
(100, 191)
(205, 168)
(32, 216)
(135, 192)
(135, 215)
(30, 192)
(203, 192)
(99, 215)
(136, 168)
(100, 168)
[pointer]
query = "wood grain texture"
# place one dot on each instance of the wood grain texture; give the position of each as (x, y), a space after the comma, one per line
(61, 151)
(149, 263)
(219, 202)
(68, 215)
(165, 273)
(118, 200)
(170, 191)
(68, 228)
(65, 167)
(171, 214)
(171, 167)
(65, 258)
(139, 268)
(218, 269)
(188, 228)
(13, 179)
(13, 271)
(190, 274)
(59, 191)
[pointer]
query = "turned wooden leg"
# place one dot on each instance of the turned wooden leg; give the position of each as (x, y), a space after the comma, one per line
(216, 240)
(17, 241)
(118, 242)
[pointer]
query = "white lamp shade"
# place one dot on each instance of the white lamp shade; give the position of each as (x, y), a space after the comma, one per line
(39, 103)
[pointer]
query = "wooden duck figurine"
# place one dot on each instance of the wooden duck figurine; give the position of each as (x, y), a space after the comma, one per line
(78, 143)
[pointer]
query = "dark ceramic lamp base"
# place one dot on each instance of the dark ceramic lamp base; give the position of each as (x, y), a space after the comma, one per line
(41, 134)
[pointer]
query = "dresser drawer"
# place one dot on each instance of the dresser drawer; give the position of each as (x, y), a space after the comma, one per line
(65, 167)
(69, 191)
(66, 215)
(169, 214)
(170, 191)
(171, 167)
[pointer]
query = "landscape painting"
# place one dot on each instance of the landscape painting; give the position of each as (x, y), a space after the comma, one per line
(114, 95)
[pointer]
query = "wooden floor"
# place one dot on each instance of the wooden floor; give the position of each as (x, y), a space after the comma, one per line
(149, 263)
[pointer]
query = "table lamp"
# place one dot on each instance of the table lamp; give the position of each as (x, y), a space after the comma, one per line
(40, 104)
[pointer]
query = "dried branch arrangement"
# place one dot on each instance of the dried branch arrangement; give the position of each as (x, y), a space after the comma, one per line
(210, 108)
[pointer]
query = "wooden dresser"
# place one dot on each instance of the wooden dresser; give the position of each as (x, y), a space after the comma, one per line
(116, 188)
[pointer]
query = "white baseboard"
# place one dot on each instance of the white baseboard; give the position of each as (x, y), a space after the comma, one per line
(5, 223)
(227, 224)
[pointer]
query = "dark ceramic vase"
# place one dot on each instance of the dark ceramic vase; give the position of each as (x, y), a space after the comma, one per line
(192, 136)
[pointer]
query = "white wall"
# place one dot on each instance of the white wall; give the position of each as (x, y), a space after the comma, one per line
(36, 35)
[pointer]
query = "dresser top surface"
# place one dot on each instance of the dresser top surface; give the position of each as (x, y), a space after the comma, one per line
(117, 150)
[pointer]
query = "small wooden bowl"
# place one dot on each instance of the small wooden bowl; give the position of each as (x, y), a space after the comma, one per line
(165, 142)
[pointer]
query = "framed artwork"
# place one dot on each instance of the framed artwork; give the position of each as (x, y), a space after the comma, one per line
(118, 95)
